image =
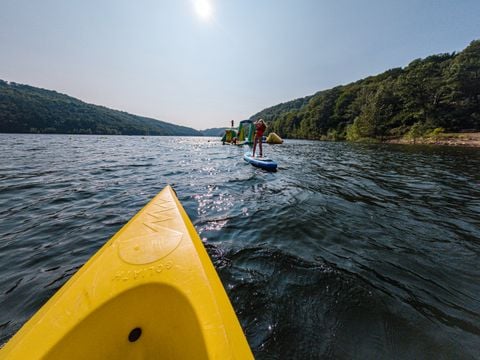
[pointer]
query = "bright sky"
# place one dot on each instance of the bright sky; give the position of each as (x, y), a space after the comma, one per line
(202, 63)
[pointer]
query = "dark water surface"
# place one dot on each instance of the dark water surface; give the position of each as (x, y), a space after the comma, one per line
(348, 251)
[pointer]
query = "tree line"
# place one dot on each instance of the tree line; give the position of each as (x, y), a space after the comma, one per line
(27, 109)
(431, 95)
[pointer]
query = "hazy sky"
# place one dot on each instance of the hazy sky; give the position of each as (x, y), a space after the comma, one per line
(201, 63)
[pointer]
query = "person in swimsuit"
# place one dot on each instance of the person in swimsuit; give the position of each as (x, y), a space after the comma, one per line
(260, 127)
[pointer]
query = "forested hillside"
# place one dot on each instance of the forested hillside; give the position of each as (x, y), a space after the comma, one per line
(27, 109)
(439, 93)
(213, 132)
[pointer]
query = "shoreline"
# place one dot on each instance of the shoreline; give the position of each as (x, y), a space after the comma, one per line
(447, 139)
(466, 139)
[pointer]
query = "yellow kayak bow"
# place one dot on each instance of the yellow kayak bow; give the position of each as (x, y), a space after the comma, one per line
(151, 292)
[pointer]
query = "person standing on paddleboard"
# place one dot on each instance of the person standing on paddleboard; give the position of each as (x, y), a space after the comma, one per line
(260, 127)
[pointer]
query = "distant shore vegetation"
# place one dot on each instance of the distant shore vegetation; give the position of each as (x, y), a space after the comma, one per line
(430, 96)
(28, 109)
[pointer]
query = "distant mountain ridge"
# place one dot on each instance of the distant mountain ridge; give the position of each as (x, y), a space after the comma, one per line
(213, 131)
(28, 109)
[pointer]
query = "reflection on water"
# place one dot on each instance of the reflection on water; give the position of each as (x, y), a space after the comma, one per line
(348, 251)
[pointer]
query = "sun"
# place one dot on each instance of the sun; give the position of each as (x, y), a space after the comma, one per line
(204, 9)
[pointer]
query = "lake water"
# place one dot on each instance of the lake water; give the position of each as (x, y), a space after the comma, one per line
(347, 251)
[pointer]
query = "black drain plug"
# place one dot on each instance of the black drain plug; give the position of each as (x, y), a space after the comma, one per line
(135, 334)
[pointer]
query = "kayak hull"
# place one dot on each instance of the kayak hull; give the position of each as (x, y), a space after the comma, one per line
(150, 292)
(261, 162)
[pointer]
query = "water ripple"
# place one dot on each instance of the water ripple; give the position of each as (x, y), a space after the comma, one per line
(348, 251)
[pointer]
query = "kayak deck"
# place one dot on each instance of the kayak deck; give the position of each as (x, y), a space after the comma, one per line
(150, 292)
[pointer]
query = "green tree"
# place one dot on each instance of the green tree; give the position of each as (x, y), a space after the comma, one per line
(464, 82)
(440, 91)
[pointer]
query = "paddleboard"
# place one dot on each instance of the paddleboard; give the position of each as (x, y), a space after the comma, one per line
(261, 162)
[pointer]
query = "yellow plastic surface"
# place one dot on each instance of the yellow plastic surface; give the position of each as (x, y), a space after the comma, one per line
(273, 138)
(153, 275)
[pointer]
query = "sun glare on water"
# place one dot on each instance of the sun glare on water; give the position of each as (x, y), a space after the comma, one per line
(204, 9)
